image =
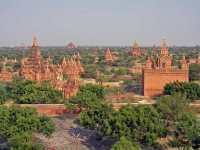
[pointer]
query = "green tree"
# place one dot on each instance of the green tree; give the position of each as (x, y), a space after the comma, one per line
(171, 106)
(30, 93)
(186, 134)
(84, 99)
(3, 95)
(140, 124)
(24, 141)
(124, 144)
(101, 78)
(9, 85)
(16, 79)
(87, 96)
(131, 63)
(16, 66)
(194, 72)
(19, 90)
(190, 89)
(137, 78)
(143, 124)
(97, 118)
(120, 72)
(128, 82)
(96, 89)
(89, 71)
(18, 124)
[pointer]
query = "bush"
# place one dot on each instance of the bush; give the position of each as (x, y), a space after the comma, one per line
(112, 80)
(3, 95)
(29, 92)
(190, 89)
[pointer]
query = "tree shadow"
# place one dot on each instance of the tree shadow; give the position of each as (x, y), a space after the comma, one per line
(4, 145)
(88, 138)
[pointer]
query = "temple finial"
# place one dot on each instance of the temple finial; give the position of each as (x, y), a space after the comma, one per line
(35, 41)
(164, 42)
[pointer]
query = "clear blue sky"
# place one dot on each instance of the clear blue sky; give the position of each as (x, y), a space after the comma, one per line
(100, 22)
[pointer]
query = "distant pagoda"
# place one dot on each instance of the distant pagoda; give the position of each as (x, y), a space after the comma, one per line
(71, 45)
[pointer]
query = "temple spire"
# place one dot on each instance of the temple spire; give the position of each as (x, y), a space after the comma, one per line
(183, 60)
(108, 51)
(4, 70)
(135, 44)
(35, 41)
(64, 63)
(149, 63)
(164, 42)
(164, 49)
(184, 64)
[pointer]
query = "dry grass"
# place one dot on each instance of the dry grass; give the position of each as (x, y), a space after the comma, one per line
(197, 102)
(120, 97)
(163, 144)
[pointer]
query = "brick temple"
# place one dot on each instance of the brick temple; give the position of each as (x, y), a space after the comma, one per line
(156, 76)
(136, 51)
(36, 68)
(154, 48)
(76, 56)
(109, 57)
(4, 74)
(71, 45)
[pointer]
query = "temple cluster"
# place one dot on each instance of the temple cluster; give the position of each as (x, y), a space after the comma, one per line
(38, 69)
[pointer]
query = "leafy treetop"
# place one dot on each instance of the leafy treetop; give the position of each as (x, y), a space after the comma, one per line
(29, 92)
(18, 124)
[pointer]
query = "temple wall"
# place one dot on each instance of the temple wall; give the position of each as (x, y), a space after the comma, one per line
(51, 109)
(59, 109)
(155, 80)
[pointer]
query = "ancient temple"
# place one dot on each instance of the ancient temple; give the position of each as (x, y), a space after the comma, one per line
(109, 57)
(154, 48)
(9, 60)
(37, 69)
(174, 47)
(72, 69)
(155, 77)
(70, 66)
(136, 51)
(71, 45)
(164, 60)
(76, 56)
(70, 88)
(4, 74)
(194, 60)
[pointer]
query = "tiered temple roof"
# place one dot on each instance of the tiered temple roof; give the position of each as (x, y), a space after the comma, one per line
(109, 57)
(136, 51)
(71, 45)
(155, 78)
(38, 69)
(4, 74)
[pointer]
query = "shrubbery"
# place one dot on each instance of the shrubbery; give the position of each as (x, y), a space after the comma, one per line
(29, 92)
(19, 124)
(190, 89)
